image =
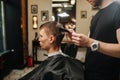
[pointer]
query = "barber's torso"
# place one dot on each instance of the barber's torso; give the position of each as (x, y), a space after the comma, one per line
(103, 27)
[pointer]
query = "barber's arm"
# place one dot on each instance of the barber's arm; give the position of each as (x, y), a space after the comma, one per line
(110, 49)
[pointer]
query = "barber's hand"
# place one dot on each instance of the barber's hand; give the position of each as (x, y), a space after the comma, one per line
(80, 39)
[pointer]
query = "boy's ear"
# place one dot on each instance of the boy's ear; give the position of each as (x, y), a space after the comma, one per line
(51, 38)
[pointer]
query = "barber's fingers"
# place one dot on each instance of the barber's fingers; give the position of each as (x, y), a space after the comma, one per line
(69, 34)
(76, 36)
(76, 42)
(79, 39)
(71, 31)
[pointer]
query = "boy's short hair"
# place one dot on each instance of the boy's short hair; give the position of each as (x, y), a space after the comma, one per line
(53, 28)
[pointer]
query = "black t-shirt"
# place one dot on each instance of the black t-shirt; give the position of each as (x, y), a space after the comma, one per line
(103, 27)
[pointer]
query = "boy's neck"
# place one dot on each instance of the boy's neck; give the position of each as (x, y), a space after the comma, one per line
(53, 49)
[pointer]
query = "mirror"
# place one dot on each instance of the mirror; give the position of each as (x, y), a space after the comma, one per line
(64, 11)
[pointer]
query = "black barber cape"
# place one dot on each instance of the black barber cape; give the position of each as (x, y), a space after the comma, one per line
(57, 67)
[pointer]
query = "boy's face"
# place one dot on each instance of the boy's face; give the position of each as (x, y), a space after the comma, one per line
(44, 39)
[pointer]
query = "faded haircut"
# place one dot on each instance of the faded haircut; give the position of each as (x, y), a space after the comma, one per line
(53, 28)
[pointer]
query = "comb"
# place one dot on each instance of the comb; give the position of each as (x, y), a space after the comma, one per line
(63, 29)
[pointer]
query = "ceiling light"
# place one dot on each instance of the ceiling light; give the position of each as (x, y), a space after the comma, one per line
(72, 2)
(59, 10)
(65, 5)
(61, 5)
(57, 5)
(64, 14)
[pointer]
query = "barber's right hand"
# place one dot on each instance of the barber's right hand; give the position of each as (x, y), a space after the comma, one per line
(79, 39)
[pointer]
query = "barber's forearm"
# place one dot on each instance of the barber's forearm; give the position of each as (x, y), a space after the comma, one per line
(109, 49)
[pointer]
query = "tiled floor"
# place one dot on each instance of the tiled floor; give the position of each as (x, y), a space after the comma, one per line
(16, 74)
